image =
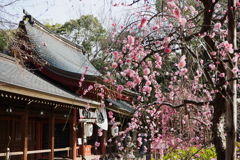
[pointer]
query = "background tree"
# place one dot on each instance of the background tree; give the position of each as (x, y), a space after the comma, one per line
(3, 41)
(86, 31)
(7, 27)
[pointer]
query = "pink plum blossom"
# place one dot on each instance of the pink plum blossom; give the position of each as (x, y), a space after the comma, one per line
(183, 21)
(155, 27)
(182, 62)
(139, 139)
(146, 71)
(217, 26)
(143, 22)
(120, 88)
(131, 40)
(212, 66)
(167, 39)
(177, 13)
(147, 89)
(157, 42)
(235, 70)
(110, 114)
(114, 65)
(171, 4)
(197, 155)
(148, 83)
(167, 50)
(114, 25)
(100, 133)
(213, 53)
(222, 75)
(97, 144)
(228, 47)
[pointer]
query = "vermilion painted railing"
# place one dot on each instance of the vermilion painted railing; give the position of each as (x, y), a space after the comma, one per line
(37, 151)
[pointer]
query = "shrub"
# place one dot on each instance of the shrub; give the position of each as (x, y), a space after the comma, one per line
(191, 153)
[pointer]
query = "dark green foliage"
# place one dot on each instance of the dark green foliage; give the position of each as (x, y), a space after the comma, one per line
(3, 41)
(99, 64)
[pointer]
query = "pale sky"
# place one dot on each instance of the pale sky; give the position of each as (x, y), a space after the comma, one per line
(60, 11)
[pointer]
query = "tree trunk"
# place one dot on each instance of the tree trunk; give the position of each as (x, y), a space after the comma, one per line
(231, 107)
(218, 126)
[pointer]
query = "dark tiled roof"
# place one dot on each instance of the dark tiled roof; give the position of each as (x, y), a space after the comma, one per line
(58, 53)
(13, 73)
(121, 105)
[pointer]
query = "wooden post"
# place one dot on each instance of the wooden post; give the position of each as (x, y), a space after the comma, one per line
(103, 141)
(38, 138)
(7, 157)
(83, 146)
(74, 136)
(51, 136)
(24, 137)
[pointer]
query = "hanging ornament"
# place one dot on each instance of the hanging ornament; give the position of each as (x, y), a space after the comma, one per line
(88, 130)
(114, 130)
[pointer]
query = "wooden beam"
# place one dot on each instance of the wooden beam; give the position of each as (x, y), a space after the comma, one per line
(24, 126)
(59, 99)
(46, 96)
(51, 136)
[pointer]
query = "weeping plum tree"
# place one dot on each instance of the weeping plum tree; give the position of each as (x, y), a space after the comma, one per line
(181, 57)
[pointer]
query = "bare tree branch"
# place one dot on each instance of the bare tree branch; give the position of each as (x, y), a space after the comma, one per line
(8, 4)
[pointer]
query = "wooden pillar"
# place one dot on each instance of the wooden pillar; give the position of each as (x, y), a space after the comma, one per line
(24, 126)
(51, 136)
(38, 138)
(82, 135)
(103, 141)
(74, 135)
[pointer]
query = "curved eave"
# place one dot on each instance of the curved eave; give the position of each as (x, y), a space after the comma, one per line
(70, 75)
(71, 79)
(46, 96)
(61, 77)
(125, 113)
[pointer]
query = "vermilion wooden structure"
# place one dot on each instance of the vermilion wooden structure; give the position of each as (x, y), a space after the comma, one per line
(39, 101)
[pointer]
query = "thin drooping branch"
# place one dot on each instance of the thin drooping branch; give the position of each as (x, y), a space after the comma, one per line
(189, 20)
(134, 1)
(222, 19)
(228, 80)
(199, 121)
(185, 102)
